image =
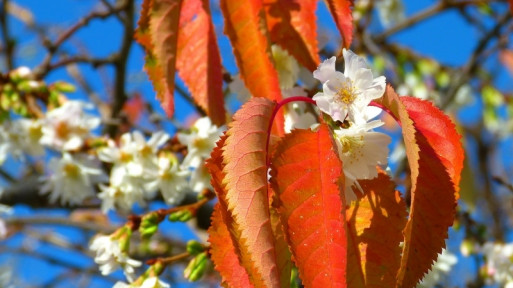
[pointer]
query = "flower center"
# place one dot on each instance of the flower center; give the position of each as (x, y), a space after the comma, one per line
(351, 147)
(62, 130)
(201, 144)
(347, 92)
(71, 170)
(146, 151)
(125, 157)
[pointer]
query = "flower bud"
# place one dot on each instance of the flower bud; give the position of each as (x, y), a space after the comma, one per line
(194, 247)
(180, 216)
(196, 267)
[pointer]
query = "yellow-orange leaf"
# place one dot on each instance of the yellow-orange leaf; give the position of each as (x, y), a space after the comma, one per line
(435, 157)
(292, 25)
(375, 223)
(158, 33)
(244, 157)
(245, 26)
(306, 173)
(199, 61)
(223, 251)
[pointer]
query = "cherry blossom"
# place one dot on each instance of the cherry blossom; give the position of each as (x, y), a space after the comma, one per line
(110, 257)
(67, 127)
(71, 179)
(361, 150)
(348, 94)
(172, 180)
(200, 141)
(151, 282)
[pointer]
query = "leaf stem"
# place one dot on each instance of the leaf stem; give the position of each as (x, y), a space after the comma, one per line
(273, 115)
(376, 104)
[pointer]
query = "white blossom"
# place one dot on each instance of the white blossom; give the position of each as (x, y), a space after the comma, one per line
(348, 94)
(110, 257)
(499, 264)
(19, 137)
(71, 179)
(172, 181)
(390, 11)
(21, 72)
(296, 115)
(3, 229)
(442, 266)
(121, 197)
(151, 282)
(238, 88)
(67, 127)
(361, 150)
(154, 282)
(286, 66)
(200, 179)
(135, 166)
(200, 141)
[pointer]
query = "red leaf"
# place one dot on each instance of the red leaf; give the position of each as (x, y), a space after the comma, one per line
(245, 26)
(435, 156)
(244, 157)
(199, 61)
(292, 25)
(158, 33)
(375, 225)
(307, 174)
(341, 12)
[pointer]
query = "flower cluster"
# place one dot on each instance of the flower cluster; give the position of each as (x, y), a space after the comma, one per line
(346, 98)
(499, 263)
(138, 168)
(110, 256)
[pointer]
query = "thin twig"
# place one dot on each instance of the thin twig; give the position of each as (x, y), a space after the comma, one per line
(9, 43)
(120, 97)
(44, 220)
(43, 69)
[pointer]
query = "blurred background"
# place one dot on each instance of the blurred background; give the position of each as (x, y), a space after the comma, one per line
(458, 54)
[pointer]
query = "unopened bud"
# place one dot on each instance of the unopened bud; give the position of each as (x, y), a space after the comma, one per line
(149, 225)
(194, 247)
(196, 267)
(20, 73)
(180, 216)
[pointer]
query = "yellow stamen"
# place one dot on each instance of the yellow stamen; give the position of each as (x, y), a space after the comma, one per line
(71, 170)
(347, 92)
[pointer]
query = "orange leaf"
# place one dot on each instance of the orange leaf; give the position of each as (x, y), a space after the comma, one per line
(292, 25)
(375, 224)
(223, 252)
(435, 156)
(341, 12)
(245, 26)
(306, 174)
(199, 61)
(282, 247)
(245, 180)
(158, 33)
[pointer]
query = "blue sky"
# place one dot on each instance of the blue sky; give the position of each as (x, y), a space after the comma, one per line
(446, 37)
